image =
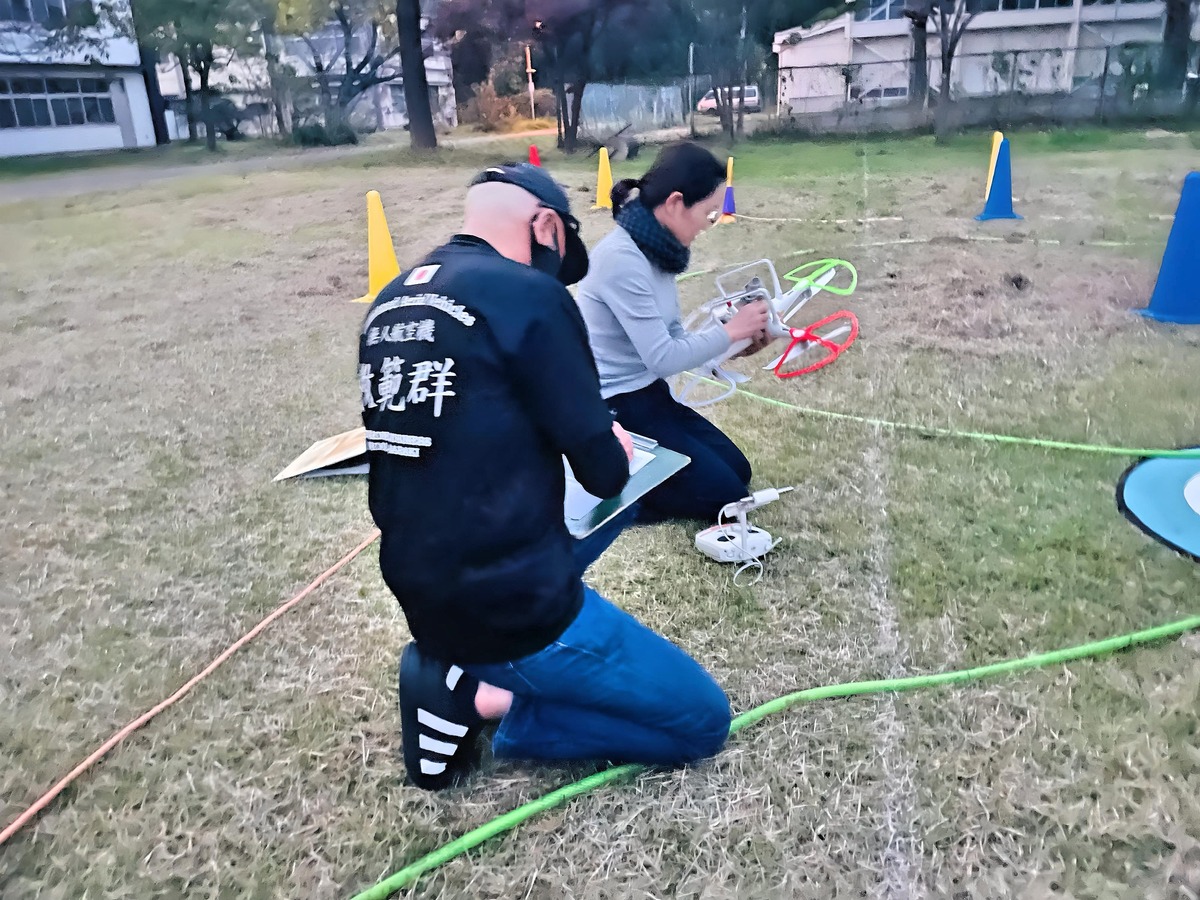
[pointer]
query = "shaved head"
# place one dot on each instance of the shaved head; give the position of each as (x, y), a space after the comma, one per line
(497, 205)
(503, 215)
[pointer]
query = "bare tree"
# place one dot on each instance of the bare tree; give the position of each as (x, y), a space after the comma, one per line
(918, 75)
(951, 19)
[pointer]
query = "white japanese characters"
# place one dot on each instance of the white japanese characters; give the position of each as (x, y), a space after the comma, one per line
(401, 332)
(427, 380)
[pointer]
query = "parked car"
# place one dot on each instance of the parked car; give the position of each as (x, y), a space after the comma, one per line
(749, 99)
(881, 96)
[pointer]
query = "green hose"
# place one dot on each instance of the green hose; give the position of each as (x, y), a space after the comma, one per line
(510, 820)
(932, 431)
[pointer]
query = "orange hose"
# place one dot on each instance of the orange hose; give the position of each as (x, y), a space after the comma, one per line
(145, 717)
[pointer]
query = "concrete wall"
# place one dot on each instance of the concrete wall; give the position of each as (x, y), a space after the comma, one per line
(996, 112)
(1056, 49)
(133, 128)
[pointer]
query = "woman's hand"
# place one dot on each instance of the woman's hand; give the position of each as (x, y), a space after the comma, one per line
(749, 322)
(760, 341)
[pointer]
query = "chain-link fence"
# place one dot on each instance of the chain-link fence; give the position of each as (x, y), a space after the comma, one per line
(1004, 87)
(608, 108)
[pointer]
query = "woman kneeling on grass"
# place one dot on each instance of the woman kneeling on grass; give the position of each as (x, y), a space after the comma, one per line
(630, 303)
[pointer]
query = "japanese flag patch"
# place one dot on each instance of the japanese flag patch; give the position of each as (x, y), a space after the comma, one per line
(421, 275)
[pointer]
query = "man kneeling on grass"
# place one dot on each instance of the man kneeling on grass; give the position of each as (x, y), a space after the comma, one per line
(477, 380)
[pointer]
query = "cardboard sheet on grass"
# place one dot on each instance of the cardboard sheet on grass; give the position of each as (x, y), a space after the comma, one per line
(346, 454)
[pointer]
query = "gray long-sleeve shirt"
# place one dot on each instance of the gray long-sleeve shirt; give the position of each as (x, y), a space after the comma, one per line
(634, 323)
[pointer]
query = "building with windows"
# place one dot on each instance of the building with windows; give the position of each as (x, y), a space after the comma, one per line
(1029, 47)
(56, 95)
(383, 106)
(244, 80)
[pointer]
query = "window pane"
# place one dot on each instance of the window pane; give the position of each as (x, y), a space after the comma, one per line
(91, 108)
(106, 110)
(59, 108)
(6, 11)
(21, 11)
(28, 86)
(38, 7)
(8, 118)
(24, 109)
(41, 112)
(75, 107)
(63, 85)
(3, 81)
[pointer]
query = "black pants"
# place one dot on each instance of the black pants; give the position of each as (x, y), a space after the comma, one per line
(719, 472)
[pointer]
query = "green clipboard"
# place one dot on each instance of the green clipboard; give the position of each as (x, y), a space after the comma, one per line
(664, 464)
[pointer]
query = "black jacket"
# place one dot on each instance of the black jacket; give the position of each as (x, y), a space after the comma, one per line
(476, 380)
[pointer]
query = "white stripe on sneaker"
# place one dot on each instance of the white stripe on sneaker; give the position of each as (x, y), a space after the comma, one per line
(429, 767)
(427, 743)
(452, 677)
(425, 717)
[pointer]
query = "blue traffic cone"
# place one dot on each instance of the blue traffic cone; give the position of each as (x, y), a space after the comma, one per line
(998, 196)
(1176, 296)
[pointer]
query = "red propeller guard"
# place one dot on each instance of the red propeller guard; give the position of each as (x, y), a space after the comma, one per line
(809, 336)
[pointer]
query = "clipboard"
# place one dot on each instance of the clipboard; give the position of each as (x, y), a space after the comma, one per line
(662, 465)
(346, 454)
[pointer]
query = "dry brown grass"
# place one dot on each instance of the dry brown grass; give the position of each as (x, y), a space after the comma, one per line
(170, 349)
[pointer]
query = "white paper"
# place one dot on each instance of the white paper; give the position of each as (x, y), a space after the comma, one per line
(578, 502)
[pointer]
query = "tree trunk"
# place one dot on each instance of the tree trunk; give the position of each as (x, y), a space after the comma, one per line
(952, 25)
(560, 112)
(571, 127)
(1172, 69)
(204, 69)
(189, 96)
(329, 109)
(416, 86)
(918, 75)
(271, 51)
(725, 110)
(942, 115)
(158, 106)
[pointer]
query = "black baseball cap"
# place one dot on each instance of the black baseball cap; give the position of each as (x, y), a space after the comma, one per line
(550, 194)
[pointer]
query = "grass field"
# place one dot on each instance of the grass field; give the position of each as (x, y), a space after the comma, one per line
(168, 350)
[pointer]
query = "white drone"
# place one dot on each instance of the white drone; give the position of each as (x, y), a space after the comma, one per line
(808, 281)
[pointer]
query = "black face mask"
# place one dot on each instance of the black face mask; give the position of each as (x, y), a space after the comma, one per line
(543, 258)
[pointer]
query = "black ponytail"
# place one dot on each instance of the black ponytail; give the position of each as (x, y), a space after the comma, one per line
(621, 192)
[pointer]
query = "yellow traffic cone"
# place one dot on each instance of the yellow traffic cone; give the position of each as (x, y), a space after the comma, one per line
(382, 265)
(604, 182)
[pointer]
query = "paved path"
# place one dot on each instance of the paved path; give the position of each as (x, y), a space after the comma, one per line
(132, 176)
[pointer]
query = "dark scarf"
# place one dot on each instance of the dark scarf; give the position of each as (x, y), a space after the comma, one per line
(660, 246)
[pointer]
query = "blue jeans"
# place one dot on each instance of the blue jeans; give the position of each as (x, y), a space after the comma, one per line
(719, 472)
(608, 689)
(590, 548)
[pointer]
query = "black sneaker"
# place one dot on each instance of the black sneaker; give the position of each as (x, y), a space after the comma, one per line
(439, 724)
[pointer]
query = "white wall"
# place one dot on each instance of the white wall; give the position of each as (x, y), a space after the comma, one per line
(27, 45)
(876, 47)
(33, 141)
(134, 126)
(139, 109)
